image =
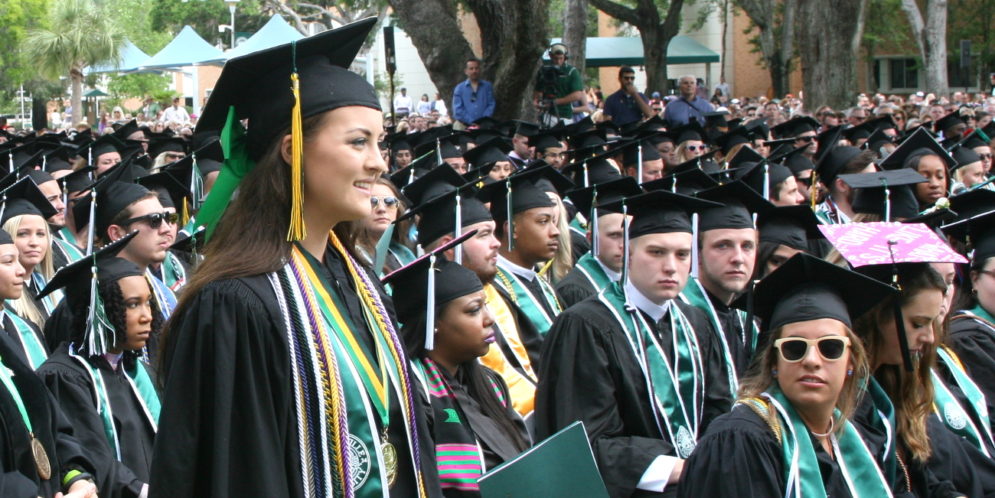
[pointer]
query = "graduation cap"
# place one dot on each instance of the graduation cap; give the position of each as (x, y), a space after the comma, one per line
(977, 231)
(976, 138)
(635, 153)
(168, 144)
(172, 192)
(735, 136)
(442, 280)
(737, 202)
(763, 176)
(487, 123)
(758, 127)
(588, 199)
(592, 170)
(208, 154)
(795, 127)
(916, 146)
(80, 280)
(876, 141)
(413, 171)
(972, 202)
(520, 192)
(791, 226)
(887, 194)
(103, 145)
(24, 198)
(544, 140)
(587, 139)
(581, 126)
(481, 158)
(690, 131)
(743, 157)
(964, 156)
(57, 160)
(443, 147)
(189, 242)
(525, 128)
(949, 121)
(127, 130)
(109, 195)
(827, 140)
(807, 288)
(77, 181)
(832, 162)
(610, 129)
(797, 161)
(716, 119)
(449, 207)
(687, 181)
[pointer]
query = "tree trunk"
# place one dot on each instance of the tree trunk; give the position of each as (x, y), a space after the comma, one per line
(434, 29)
(931, 38)
(828, 56)
(39, 113)
(575, 33)
(777, 51)
(76, 92)
(655, 32)
(655, 58)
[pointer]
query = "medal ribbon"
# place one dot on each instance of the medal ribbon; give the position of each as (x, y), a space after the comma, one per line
(677, 401)
(34, 351)
(803, 476)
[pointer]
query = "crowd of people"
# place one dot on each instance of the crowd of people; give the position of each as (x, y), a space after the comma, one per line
(302, 298)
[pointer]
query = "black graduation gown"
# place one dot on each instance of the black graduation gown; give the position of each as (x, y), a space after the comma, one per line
(974, 343)
(18, 475)
(590, 374)
(579, 245)
(228, 425)
(943, 370)
(71, 386)
(732, 328)
(574, 287)
(58, 327)
(959, 463)
(32, 292)
(15, 337)
(740, 456)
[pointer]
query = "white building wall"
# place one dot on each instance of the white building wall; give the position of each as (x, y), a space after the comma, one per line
(410, 69)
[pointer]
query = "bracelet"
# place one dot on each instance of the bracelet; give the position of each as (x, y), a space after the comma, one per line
(72, 477)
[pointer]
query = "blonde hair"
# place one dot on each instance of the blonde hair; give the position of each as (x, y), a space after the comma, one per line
(25, 305)
(761, 377)
(563, 261)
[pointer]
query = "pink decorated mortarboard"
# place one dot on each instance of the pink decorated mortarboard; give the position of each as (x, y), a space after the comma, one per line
(863, 244)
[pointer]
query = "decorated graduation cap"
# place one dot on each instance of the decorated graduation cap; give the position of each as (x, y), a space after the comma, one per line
(276, 89)
(887, 194)
(807, 288)
(443, 281)
(80, 280)
(795, 127)
(887, 252)
(521, 192)
(24, 198)
(791, 226)
(918, 145)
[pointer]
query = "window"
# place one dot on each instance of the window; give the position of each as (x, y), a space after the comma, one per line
(904, 73)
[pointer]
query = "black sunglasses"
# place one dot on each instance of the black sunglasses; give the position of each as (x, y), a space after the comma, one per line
(390, 201)
(154, 219)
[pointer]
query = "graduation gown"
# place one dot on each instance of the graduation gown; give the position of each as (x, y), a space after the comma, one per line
(973, 339)
(15, 336)
(590, 373)
(18, 474)
(516, 350)
(740, 456)
(574, 288)
(228, 426)
(70, 384)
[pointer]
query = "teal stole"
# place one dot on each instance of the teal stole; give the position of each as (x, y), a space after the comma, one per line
(884, 422)
(66, 235)
(33, 348)
(527, 302)
(72, 252)
(401, 253)
(173, 273)
(673, 387)
(976, 428)
(50, 301)
(141, 387)
(695, 295)
(802, 473)
(983, 314)
(589, 266)
(339, 392)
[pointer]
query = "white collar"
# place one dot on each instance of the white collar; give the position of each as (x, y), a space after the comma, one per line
(514, 268)
(612, 274)
(639, 300)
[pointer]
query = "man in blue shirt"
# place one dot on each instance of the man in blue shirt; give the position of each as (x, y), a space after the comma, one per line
(473, 98)
(627, 105)
(679, 112)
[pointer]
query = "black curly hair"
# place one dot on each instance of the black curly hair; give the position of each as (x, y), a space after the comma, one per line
(114, 307)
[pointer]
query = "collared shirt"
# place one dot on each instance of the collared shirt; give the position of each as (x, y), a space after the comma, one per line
(470, 105)
(402, 104)
(644, 304)
(679, 112)
(623, 108)
(612, 274)
(523, 272)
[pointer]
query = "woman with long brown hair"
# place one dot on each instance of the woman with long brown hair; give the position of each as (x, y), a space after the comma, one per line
(284, 373)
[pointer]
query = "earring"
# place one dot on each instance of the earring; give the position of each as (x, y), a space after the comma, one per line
(774, 372)
(849, 372)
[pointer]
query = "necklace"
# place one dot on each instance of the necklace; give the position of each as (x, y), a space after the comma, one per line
(832, 423)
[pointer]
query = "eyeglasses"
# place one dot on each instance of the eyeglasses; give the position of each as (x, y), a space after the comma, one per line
(154, 219)
(628, 78)
(985, 156)
(693, 148)
(804, 181)
(795, 349)
(389, 201)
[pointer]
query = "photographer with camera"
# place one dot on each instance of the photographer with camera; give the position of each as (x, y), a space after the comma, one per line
(558, 86)
(627, 105)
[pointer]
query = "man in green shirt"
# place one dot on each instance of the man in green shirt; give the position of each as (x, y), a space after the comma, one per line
(568, 87)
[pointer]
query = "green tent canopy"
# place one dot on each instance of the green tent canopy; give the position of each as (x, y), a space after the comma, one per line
(628, 51)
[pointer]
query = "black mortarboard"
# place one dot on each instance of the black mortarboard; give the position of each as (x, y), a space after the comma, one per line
(715, 119)
(168, 144)
(208, 153)
(743, 157)
(127, 129)
(855, 133)
(791, 226)
(438, 215)
(690, 131)
(807, 288)
(631, 151)
(732, 138)
(877, 140)
(170, 189)
(57, 159)
(39, 176)
(827, 140)
(487, 123)
(964, 156)
(525, 128)
(888, 194)
(99, 147)
(24, 198)
(972, 202)
(948, 121)
(427, 186)
(587, 139)
(258, 85)
(487, 153)
(579, 127)
(755, 174)
(976, 138)
(688, 181)
(77, 181)
(919, 144)
(544, 140)
(442, 281)
(659, 211)
(794, 127)
(585, 172)
(521, 192)
(758, 127)
(978, 232)
(415, 170)
(832, 162)
(797, 161)
(737, 203)
(115, 191)
(440, 146)
(586, 198)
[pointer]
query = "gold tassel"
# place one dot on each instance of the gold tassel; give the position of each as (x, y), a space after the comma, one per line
(813, 192)
(185, 214)
(297, 230)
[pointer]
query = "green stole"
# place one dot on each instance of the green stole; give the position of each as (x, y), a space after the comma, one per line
(950, 411)
(358, 379)
(589, 266)
(50, 301)
(695, 295)
(72, 252)
(673, 389)
(885, 422)
(66, 235)
(34, 350)
(173, 273)
(527, 302)
(802, 473)
(980, 312)
(141, 387)
(401, 253)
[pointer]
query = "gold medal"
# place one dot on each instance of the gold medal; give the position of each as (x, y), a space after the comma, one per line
(389, 459)
(41, 459)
